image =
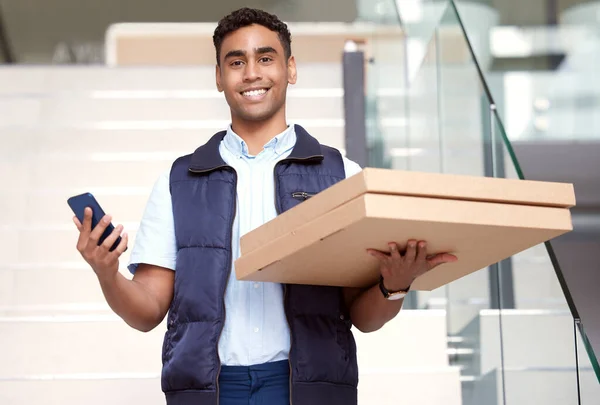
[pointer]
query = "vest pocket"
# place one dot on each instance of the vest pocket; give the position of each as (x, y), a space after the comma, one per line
(343, 335)
(166, 347)
(345, 339)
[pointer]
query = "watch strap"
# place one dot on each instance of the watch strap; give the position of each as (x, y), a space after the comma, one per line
(392, 295)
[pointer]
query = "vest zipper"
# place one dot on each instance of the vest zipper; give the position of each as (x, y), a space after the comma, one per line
(285, 287)
(228, 267)
(302, 195)
(278, 210)
(285, 292)
(212, 169)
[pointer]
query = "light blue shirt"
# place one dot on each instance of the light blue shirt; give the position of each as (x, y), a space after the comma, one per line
(256, 330)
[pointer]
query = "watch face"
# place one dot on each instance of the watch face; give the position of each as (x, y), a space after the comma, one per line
(397, 296)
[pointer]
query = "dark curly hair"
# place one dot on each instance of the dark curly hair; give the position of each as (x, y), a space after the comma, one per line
(248, 16)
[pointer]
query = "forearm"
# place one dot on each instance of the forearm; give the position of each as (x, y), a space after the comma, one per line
(370, 310)
(132, 301)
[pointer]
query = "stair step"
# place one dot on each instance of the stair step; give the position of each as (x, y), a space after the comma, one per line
(415, 338)
(45, 245)
(74, 285)
(531, 338)
(34, 212)
(71, 111)
(558, 385)
(75, 145)
(144, 388)
(69, 80)
(426, 387)
(78, 391)
(79, 343)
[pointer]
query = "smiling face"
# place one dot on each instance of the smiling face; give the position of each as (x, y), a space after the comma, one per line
(254, 74)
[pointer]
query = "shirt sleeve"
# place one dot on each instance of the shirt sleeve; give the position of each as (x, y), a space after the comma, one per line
(351, 168)
(155, 240)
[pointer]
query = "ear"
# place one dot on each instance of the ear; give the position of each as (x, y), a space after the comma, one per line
(292, 72)
(218, 78)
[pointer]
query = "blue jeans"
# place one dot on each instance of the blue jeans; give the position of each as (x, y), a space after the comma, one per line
(263, 384)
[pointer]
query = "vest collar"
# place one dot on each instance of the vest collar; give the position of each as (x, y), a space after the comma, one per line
(208, 158)
(306, 148)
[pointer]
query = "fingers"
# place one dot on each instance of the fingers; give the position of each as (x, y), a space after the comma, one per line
(441, 259)
(394, 253)
(411, 251)
(80, 240)
(87, 220)
(410, 254)
(99, 229)
(84, 229)
(110, 240)
(415, 252)
(422, 252)
(378, 255)
(88, 238)
(77, 223)
(122, 245)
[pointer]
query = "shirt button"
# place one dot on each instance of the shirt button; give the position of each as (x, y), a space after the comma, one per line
(256, 330)
(342, 317)
(256, 285)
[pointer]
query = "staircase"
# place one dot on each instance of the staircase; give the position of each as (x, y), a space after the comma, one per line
(112, 131)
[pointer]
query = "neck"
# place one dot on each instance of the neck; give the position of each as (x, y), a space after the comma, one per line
(257, 134)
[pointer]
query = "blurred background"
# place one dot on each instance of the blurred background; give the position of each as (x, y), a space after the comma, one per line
(103, 96)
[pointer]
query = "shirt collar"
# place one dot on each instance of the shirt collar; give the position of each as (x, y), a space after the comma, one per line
(207, 158)
(280, 143)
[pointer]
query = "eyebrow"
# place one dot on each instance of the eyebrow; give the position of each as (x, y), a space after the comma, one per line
(238, 53)
(265, 49)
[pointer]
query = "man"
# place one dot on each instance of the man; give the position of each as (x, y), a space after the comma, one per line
(228, 341)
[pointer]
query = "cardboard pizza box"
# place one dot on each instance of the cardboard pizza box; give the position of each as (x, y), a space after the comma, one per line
(323, 240)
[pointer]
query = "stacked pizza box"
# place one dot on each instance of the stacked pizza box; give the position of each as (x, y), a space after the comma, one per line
(481, 220)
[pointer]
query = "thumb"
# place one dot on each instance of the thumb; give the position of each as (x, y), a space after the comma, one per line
(441, 259)
(77, 223)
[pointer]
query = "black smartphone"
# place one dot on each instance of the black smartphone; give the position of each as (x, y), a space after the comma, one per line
(79, 203)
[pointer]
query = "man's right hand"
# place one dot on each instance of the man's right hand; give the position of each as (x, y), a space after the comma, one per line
(104, 263)
(143, 301)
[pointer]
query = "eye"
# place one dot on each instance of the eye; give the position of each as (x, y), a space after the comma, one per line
(265, 59)
(236, 63)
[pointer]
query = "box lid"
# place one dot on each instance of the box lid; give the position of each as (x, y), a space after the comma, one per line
(416, 184)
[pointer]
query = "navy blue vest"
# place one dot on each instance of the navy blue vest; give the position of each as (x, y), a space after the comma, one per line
(323, 351)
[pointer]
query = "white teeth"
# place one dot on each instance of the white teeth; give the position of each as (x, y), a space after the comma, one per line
(254, 92)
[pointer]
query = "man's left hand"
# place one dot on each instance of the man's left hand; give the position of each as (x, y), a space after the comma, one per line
(400, 270)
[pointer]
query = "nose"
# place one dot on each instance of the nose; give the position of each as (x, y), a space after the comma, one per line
(252, 72)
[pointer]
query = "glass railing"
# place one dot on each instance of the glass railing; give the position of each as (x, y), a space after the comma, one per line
(510, 326)
(555, 105)
(385, 81)
(554, 92)
(552, 295)
(588, 367)
(419, 19)
(558, 106)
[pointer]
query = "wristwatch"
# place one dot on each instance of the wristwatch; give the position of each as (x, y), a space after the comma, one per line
(392, 295)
